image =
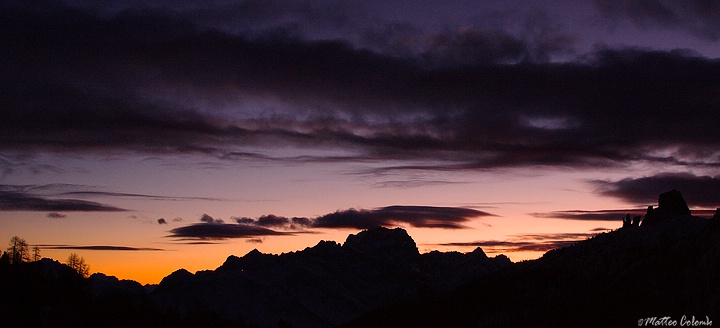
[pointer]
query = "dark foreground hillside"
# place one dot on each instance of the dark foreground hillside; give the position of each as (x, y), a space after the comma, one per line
(667, 267)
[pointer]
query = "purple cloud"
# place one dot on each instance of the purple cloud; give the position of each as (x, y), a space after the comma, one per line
(416, 216)
(488, 114)
(18, 201)
(99, 248)
(698, 191)
(221, 231)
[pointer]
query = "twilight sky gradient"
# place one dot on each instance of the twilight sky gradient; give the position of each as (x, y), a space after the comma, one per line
(147, 136)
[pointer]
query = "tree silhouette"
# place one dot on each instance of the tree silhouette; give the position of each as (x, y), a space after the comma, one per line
(36, 253)
(18, 250)
(78, 264)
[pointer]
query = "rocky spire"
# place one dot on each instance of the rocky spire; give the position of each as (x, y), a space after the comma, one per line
(671, 205)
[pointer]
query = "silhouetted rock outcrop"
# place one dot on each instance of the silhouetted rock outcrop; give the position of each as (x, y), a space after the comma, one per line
(671, 205)
(627, 221)
(673, 202)
(388, 244)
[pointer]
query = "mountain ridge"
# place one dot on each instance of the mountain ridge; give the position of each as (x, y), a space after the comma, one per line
(667, 267)
(327, 284)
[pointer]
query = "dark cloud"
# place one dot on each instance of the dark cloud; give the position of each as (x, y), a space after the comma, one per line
(221, 231)
(56, 215)
(161, 221)
(16, 201)
(153, 82)
(99, 248)
(701, 18)
(416, 216)
(243, 220)
(599, 215)
(528, 242)
(390, 216)
(538, 42)
(254, 229)
(698, 191)
(272, 221)
(471, 47)
(301, 221)
(208, 219)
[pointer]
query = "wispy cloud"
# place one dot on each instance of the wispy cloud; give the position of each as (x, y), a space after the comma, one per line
(598, 215)
(527, 242)
(98, 248)
(413, 183)
(54, 198)
(86, 191)
(15, 201)
(132, 195)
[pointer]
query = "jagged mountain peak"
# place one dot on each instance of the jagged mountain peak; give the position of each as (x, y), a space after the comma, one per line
(253, 259)
(327, 284)
(383, 242)
(177, 279)
(255, 255)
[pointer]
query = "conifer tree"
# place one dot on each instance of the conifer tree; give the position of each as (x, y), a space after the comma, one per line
(36, 253)
(18, 250)
(78, 264)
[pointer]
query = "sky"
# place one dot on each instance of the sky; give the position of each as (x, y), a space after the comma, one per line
(149, 136)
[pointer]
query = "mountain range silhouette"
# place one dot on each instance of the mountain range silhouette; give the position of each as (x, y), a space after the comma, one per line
(669, 266)
(666, 266)
(327, 284)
